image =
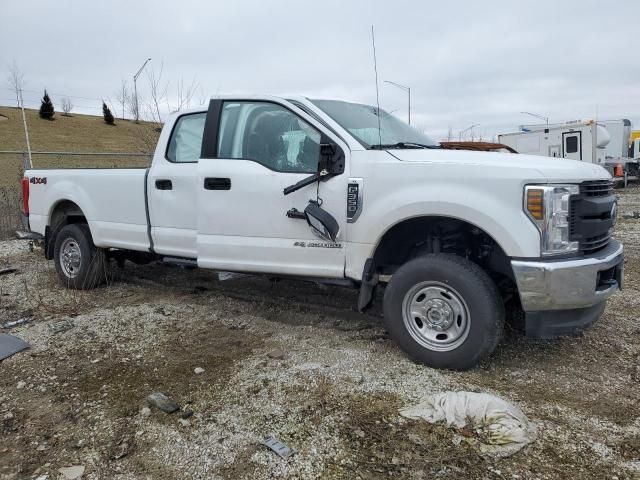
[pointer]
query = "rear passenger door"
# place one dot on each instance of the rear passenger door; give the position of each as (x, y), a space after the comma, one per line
(172, 188)
(260, 148)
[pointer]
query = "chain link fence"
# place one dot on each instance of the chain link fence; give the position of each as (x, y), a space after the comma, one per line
(13, 164)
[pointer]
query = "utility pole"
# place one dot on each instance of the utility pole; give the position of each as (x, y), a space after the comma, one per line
(26, 131)
(406, 89)
(135, 88)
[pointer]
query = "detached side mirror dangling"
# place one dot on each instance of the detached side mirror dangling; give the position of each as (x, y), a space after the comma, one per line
(321, 222)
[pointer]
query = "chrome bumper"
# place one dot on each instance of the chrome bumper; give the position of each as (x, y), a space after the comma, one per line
(570, 283)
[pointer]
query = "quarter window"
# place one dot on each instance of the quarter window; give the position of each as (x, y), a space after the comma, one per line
(270, 135)
(186, 139)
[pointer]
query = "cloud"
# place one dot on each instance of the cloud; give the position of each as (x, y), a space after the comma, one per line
(467, 62)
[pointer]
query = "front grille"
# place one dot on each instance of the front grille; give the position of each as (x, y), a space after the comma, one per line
(590, 221)
(591, 244)
(596, 188)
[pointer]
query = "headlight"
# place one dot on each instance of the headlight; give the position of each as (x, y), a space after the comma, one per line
(548, 207)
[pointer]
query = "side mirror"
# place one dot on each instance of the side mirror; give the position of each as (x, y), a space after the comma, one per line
(321, 222)
(331, 157)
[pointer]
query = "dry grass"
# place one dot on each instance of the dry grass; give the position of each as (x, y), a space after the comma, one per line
(76, 133)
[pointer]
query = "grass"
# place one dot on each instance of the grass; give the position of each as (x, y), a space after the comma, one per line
(75, 133)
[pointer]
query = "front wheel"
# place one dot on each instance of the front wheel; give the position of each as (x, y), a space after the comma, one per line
(80, 265)
(444, 311)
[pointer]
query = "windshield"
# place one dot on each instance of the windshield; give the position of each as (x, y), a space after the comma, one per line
(361, 121)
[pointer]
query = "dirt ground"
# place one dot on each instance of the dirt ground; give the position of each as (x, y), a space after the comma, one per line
(294, 360)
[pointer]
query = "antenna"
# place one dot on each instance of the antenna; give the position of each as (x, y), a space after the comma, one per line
(375, 69)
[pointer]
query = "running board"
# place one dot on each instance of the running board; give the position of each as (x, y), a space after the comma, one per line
(181, 262)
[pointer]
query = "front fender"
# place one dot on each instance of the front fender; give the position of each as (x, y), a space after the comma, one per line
(502, 220)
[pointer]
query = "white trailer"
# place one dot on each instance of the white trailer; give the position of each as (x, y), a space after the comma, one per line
(620, 131)
(584, 141)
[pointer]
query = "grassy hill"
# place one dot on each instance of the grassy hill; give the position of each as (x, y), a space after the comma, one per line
(76, 133)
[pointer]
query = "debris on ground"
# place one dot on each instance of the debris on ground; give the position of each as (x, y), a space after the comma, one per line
(277, 355)
(61, 326)
(164, 403)
(10, 345)
(499, 428)
(281, 449)
(198, 370)
(72, 473)
(7, 271)
(632, 215)
(15, 323)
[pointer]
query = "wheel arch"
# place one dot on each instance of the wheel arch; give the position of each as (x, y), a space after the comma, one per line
(63, 212)
(409, 237)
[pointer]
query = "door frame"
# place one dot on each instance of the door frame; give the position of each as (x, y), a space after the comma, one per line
(564, 142)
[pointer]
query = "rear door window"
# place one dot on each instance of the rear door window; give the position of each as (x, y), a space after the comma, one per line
(186, 138)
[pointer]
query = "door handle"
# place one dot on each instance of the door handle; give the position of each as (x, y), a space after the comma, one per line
(211, 183)
(164, 184)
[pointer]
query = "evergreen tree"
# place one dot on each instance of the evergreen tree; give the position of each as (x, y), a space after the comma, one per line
(108, 116)
(46, 107)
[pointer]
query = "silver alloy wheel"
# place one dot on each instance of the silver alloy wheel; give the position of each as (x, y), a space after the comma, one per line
(436, 316)
(70, 258)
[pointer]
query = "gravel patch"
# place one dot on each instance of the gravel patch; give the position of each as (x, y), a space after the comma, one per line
(249, 358)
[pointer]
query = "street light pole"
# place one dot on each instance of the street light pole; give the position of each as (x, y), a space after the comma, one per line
(542, 117)
(135, 87)
(406, 89)
(466, 130)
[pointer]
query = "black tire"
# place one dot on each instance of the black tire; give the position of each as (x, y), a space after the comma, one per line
(471, 288)
(90, 270)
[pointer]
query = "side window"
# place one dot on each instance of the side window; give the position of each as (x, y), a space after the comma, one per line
(572, 144)
(186, 139)
(270, 135)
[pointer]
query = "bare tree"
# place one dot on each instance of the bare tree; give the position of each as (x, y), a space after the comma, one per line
(202, 97)
(15, 80)
(157, 91)
(122, 96)
(185, 93)
(450, 134)
(66, 106)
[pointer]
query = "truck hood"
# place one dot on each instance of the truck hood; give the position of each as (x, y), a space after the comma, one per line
(553, 170)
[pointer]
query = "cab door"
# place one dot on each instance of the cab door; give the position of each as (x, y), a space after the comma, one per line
(252, 151)
(171, 188)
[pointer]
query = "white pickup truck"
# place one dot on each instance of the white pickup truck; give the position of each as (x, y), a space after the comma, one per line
(345, 193)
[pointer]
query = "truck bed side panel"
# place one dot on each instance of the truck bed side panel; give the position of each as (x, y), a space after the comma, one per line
(112, 200)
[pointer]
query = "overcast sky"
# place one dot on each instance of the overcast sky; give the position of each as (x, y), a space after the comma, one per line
(466, 62)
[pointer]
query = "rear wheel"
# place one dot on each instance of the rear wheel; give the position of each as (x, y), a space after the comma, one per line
(444, 311)
(79, 263)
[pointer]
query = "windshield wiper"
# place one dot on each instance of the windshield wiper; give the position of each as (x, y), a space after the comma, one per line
(389, 146)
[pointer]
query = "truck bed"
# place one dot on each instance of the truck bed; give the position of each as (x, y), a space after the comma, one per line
(113, 200)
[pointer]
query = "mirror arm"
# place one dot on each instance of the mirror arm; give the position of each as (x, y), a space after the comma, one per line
(295, 213)
(322, 175)
(302, 183)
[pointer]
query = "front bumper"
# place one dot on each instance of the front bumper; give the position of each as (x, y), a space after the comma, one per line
(569, 284)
